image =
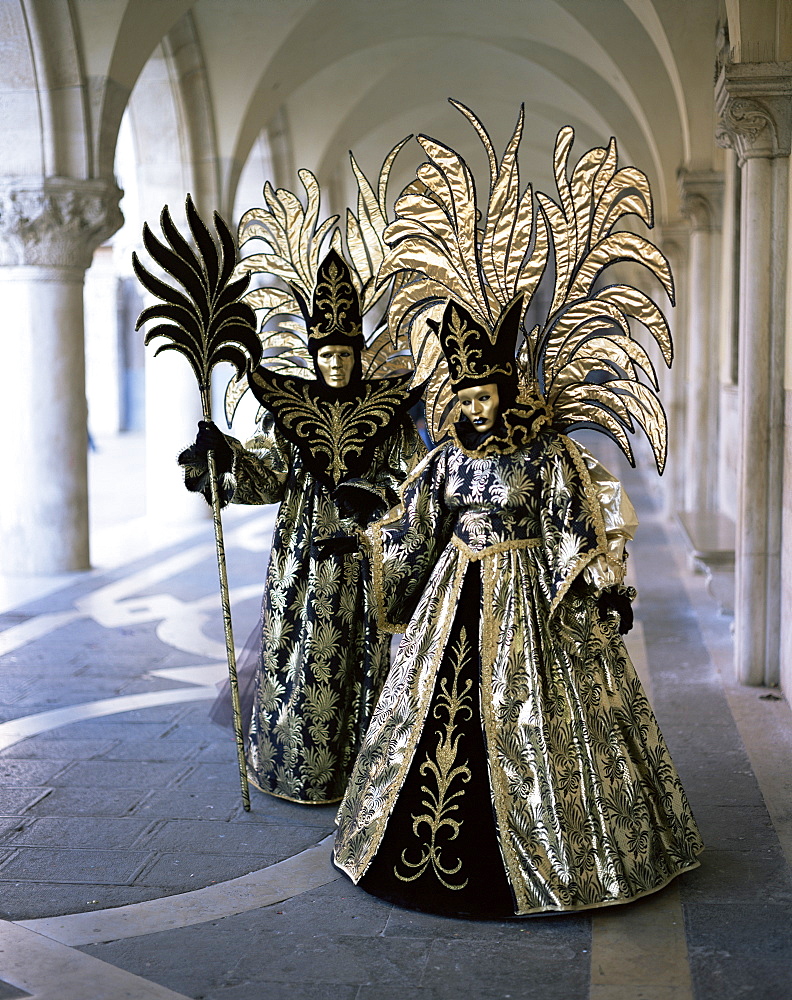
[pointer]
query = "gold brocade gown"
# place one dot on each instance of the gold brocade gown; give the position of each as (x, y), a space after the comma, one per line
(513, 764)
(321, 658)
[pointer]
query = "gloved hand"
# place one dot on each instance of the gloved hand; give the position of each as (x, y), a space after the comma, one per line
(356, 502)
(618, 599)
(211, 438)
(338, 545)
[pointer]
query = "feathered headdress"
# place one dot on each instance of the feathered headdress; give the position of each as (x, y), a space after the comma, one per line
(582, 362)
(296, 239)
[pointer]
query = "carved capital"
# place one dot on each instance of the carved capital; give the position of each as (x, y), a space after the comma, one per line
(55, 221)
(701, 198)
(754, 106)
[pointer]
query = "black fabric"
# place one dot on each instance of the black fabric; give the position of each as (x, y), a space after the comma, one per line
(335, 430)
(357, 502)
(336, 545)
(221, 711)
(211, 438)
(616, 599)
(487, 893)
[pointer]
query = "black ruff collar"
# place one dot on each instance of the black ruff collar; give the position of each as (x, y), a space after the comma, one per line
(336, 431)
(515, 429)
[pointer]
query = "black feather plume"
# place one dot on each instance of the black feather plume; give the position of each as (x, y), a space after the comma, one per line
(208, 324)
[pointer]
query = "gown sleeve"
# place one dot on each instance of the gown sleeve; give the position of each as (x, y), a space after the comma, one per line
(259, 472)
(620, 521)
(261, 466)
(406, 544)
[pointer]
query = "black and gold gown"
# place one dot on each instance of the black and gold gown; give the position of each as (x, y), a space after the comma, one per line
(323, 658)
(513, 764)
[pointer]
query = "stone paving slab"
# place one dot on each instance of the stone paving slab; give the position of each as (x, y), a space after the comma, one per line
(73, 832)
(206, 775)
(40, 748)
(72, 866)
(89, 802)
(131, 775)
(739, 877)
(230, 990)
(737, 958)
(161, 750)
(16, 801)
(181, 803)
(192, 870)
(735, 827)
(20, 773)
(216, 836)
(110, 728)
(9, 992)
(34, 900)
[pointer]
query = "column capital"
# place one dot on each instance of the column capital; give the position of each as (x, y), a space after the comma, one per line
(55, 221)
(701, 197)
(753, 102)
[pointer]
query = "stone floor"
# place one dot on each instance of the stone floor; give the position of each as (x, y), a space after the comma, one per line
(128, 868)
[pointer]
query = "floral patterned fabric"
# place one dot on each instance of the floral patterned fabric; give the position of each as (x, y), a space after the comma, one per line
(323, 657)
(588, 809)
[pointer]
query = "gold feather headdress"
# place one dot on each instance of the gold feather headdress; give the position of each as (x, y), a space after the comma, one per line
(583, 361)
(290, 267)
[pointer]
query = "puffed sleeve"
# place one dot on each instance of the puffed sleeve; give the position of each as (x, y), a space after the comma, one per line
(261, 466)
(406, 544)
(259, 472)
(620, 521)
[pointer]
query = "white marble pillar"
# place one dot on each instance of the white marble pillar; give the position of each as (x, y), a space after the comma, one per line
(754, 101)
(48, 232)
(702, 203)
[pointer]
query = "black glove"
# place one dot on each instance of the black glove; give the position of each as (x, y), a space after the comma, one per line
(338, 545)
(618, 599)
(211, 438)
(356, 502)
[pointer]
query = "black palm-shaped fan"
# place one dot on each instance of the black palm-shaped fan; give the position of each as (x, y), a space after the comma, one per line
(209, 324)
(206, 325)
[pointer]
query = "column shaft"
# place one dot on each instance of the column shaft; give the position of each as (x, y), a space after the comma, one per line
(44, 513)
(754, 102)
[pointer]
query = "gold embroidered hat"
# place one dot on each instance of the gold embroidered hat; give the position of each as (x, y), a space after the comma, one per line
(335, 316)
(474, 356)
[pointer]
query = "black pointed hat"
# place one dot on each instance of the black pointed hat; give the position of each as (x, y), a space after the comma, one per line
(335, 316)
(475, 356)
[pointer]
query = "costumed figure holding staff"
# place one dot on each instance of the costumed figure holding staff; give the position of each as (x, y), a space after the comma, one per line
(513, 764)
(333, 445)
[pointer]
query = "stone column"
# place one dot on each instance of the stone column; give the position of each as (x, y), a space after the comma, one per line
(702, 203)
(754, 102)
(49, 229)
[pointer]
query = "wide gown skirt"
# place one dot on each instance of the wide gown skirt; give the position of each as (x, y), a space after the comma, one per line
(605, 822)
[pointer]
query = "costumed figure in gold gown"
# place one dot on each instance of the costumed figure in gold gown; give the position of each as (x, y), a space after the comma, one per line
(513, 764)
(332, 450)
